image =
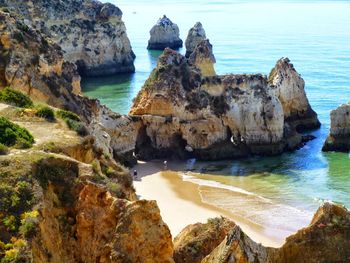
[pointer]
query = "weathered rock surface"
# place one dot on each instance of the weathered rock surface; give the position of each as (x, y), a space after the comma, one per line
(326, 239)
(203, 58)
(195, 35)
(289, 87)
(31, 63)
(187, 114)
(164, 34)
(339, 137)
(197, 241)
(34, 65)
(91, 34)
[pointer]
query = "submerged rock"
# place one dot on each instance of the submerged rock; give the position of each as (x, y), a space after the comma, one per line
(195, 35)
(219, 116)
(164, 34)
(339, 137)
(91, 34)
(203, 58)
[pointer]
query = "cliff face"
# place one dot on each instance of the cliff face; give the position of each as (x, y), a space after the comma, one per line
(91, 34)
(34, 65)
(186, 113)
(339, 137)
(73, 203)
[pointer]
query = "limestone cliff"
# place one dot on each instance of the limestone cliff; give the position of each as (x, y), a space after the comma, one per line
(35, 65)
(339, 137)
(164, 34)
(73, 203)
(195, 35)
(90, 33)
(214, 117)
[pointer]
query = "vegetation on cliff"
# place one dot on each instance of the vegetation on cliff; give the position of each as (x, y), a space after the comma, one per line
(15, 98)
(13, 135)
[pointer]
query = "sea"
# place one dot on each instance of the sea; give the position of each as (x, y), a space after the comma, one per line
(249, 37)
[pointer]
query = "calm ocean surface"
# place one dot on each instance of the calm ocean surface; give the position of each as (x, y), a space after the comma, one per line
(249, 37)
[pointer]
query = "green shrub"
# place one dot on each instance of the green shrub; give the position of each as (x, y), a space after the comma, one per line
(77, 126)
(3, 149)
(13, 135)
(65, 115)
(73, 121)
(29, 224)
(45, 112)
(16, 98)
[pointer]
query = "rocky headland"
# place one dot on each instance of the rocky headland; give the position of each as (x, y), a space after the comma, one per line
(164, 34)
(339, 137)
(91, 34)
(186, 113)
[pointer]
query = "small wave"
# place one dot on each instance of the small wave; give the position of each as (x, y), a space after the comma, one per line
(209, 183)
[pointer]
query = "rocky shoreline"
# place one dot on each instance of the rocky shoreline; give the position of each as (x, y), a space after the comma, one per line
(83, 207)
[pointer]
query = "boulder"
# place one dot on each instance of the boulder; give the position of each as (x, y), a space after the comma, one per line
(339, 137)
(164, 34)
(195, 35)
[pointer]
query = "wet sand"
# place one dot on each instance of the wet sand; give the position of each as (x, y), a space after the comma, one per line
(180, 202)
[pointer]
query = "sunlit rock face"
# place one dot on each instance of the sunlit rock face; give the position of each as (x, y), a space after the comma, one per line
(203, 58)
(339, 137)
(186, 113)
(195, 35)
(164, 34)
(90, 33)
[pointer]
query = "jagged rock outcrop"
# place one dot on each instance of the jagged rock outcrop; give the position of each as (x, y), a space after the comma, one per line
(326, 239)
(34, 65)
(186, 114)
(339, 137)
(196, 241)
(203, 58)
(289, 87)
(195, 35)
(91, 34)
(164, 34)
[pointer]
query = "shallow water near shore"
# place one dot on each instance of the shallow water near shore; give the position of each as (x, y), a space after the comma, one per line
(249, 37)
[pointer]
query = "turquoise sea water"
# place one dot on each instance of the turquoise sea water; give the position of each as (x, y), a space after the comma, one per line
(249, 37)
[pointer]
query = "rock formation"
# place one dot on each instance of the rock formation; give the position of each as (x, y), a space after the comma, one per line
(195, 35)
(164, 34)
(35, 65)
(91, 34)
(203, 58)
(289, 87)
(196, 241)
(326, 239)
(74, 203)
(187, 114)
(339, 137)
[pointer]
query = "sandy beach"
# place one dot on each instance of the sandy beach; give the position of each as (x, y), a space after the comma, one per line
(180, 202)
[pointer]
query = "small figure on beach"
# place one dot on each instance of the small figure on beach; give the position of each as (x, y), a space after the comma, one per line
(165, 165)
(135, 174)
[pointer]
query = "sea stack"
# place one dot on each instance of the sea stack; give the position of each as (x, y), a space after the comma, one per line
(195, 35)
(91, 34)
(164, 34)
(187, 114)
(203, 58)
(339, 137)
